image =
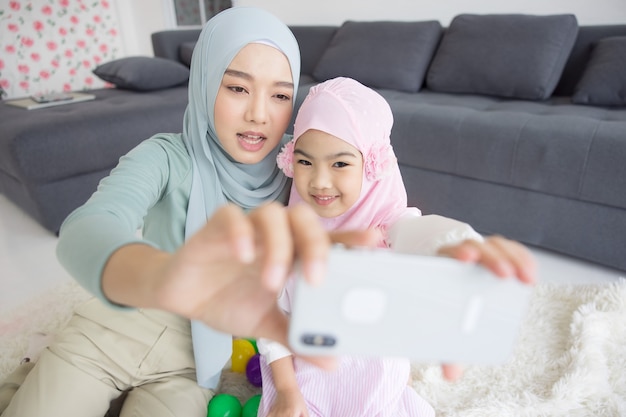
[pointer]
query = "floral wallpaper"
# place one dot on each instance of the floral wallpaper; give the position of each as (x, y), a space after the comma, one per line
(52, 45)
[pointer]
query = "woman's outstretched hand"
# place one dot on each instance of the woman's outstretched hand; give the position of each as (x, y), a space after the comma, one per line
(229, 273)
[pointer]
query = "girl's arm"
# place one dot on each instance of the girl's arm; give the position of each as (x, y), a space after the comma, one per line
(425, 235)
(437, 235)
(289, 400)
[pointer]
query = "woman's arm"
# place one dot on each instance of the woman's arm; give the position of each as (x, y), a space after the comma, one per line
(111, 218)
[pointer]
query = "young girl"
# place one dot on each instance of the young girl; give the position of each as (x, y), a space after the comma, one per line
(343, 166)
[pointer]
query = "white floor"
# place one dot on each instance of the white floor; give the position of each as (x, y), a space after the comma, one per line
(28, 264)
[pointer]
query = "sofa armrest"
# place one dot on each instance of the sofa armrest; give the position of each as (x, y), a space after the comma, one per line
(165, 43)
(578, 58)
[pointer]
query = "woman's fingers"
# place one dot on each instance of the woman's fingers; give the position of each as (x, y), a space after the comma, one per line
(311, 242)
(274, 240)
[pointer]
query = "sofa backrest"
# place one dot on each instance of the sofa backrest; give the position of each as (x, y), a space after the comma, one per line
(166, 43)
(314, 40)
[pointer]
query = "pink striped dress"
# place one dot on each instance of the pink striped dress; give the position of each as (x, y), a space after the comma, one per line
(359, 387)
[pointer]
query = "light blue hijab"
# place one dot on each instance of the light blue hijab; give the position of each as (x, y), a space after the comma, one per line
(217, 178)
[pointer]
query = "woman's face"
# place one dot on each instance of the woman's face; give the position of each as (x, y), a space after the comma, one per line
(254, 103)
(327, 173)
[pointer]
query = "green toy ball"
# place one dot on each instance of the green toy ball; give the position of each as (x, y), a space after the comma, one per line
(251, 408)
(224, 405)
(253, 341)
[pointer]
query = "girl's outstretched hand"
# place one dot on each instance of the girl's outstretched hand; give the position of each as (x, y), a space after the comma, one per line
(502, 256)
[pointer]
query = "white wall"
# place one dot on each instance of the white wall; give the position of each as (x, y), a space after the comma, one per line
(296, 12)
(138, 20)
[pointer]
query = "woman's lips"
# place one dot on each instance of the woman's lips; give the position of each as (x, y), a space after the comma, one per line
(251, 142)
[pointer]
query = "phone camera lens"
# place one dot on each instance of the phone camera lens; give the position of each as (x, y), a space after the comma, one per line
(318, 340)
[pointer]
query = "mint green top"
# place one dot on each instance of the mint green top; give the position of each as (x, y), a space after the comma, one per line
(177, 181)
(149, 188)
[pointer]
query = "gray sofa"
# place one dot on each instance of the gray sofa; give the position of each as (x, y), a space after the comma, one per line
(52, 159)
(509, 158)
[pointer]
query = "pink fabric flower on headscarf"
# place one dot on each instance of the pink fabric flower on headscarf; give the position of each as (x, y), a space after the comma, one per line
(284, 159)
(379, 162)
(352, 112)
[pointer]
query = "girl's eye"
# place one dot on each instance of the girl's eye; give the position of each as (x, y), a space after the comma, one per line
(340, 164)
(303, 162)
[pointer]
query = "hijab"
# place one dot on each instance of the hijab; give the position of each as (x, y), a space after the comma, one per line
(350, 111)
(216, 177)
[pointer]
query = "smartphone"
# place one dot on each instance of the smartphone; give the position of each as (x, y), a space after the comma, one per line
(51, 97)
(425, 308)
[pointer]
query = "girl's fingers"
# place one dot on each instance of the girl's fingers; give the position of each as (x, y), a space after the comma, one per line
(519, 257)
(502, 256)
(452, 372)
(364, 238)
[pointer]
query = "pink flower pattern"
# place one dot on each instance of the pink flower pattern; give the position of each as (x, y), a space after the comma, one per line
(53, 45)
(284, 159)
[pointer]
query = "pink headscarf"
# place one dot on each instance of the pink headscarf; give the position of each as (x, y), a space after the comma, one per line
(347, 109)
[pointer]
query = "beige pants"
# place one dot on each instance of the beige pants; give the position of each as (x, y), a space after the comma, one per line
(103, 353)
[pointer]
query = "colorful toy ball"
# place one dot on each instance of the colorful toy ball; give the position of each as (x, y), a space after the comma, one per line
(243, 350)
(253, 371)
(253, 341)
(251, 407)
(224, 405)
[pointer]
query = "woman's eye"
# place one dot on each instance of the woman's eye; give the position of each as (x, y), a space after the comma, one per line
(237, 89)
(340, 164)
(283, 97)
(303, 162)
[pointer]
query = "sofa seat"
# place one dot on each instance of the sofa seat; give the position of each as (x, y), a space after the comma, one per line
(52, 159)
(553, 146)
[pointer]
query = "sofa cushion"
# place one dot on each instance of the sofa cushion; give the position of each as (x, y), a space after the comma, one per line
(392, 55)
(143, 73)
(517, 56)
(603, 82)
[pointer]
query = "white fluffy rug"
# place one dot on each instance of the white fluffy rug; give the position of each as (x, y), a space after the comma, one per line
(570, 361)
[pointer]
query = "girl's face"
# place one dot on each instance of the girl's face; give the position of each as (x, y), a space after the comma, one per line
(254, 103)
(327, 173)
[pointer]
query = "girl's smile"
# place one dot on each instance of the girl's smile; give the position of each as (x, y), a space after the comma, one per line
(324, 200)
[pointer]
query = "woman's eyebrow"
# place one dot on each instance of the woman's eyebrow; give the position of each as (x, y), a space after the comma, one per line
(246, 76)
